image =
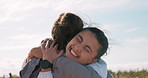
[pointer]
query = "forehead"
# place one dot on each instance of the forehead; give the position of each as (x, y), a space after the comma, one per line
(89, 39)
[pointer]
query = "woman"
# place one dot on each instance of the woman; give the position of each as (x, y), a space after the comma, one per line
(85, 48)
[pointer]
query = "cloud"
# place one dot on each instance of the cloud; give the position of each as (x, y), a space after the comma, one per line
(137, 40)
(10, 65)
(29, 36)
(88, 5)
(23, 41)
(132, 29)
(14, 47)
(111, 26)
(137, 4)
(18, 9)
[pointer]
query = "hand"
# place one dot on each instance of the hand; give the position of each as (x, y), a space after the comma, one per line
(36, 51)
(45, 40)
(50, 53)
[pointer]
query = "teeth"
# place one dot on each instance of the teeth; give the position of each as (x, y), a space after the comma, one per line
(72, 52)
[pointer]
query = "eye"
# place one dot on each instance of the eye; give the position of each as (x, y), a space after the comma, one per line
(87, 49)
(79, 39)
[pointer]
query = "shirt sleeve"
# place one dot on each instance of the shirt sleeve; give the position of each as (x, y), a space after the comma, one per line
(28, 68)
(45, 75)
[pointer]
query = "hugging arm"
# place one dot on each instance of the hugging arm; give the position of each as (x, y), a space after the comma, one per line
(66, 68)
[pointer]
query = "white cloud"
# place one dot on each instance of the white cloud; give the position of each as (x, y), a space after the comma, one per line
(111, 26)
(137, 4)
(20, 28)
(14, 47)
(104, 4)
(30, 36)
(23, 41)
(137, 40)
(132, 29)
(88, 5)
(11, 65)
(18, 9)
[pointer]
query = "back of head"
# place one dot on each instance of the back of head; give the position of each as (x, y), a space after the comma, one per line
(101, 38)
(65, 27)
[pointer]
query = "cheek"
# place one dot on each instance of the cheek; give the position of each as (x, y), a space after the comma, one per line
(85, 56)
(67, 54)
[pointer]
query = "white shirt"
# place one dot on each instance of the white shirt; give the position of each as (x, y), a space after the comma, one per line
(45, 75)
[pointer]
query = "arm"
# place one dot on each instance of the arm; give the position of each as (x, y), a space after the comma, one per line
(32, 62)
(66, 68)
(34, 53)
(29, 68)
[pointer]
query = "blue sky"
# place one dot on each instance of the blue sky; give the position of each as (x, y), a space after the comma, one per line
(24, 23)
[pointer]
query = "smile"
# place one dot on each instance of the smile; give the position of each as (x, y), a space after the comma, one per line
(74, 54)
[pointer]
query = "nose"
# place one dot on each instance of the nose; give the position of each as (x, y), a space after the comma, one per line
(78, 48)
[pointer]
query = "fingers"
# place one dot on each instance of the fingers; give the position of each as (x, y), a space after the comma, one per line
(45, 40)
(48, 44)
(56, 47)
(43, 46)
(52, 45)
(61, 53)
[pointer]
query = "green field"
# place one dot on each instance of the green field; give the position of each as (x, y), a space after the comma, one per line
(119, 74)
(131, 74)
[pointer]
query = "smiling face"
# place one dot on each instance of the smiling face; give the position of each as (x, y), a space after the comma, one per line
(83, 47)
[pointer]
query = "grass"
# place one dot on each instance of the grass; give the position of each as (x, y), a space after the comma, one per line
(131, 74)
(120, 74)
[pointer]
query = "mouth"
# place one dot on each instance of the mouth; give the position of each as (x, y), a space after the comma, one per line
(74, 54)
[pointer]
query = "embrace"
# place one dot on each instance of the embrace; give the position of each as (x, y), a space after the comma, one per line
(72, 52)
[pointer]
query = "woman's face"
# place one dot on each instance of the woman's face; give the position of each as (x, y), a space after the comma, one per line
(83, 47)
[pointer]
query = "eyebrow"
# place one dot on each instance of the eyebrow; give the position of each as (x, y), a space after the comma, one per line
(86, 45)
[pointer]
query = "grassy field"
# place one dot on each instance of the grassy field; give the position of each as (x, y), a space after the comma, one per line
(130, 74)
(119, 74)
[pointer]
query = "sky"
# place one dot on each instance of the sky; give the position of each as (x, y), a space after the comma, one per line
(24, 23)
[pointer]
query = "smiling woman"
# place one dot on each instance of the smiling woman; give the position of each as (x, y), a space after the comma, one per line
(85, 48)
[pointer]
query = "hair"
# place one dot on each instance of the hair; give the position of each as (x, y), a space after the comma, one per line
(65, 28)
(101, 38)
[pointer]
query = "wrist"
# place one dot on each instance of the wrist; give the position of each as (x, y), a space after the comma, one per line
(45, 64)
(50, 60)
